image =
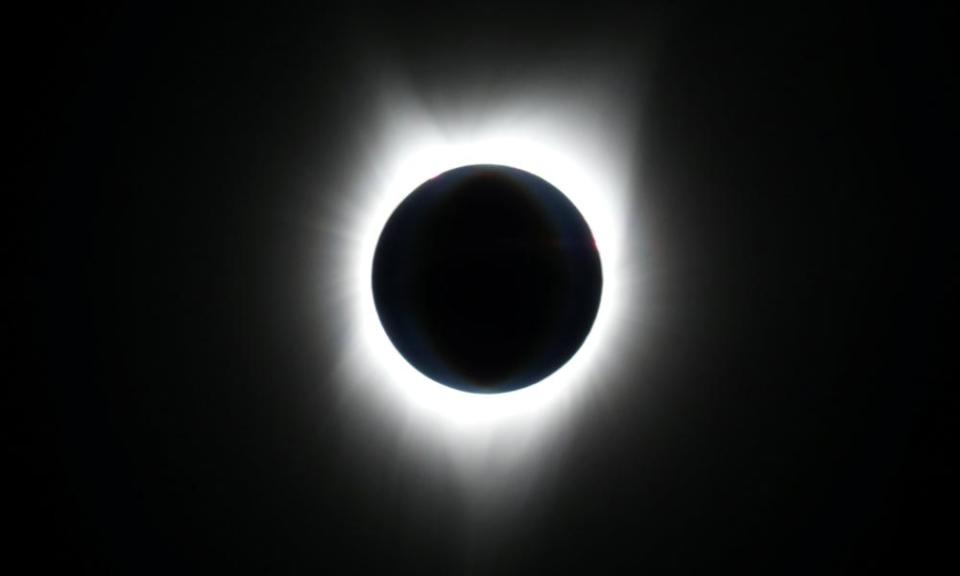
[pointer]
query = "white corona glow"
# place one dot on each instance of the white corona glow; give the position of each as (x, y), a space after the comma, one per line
(569, 143)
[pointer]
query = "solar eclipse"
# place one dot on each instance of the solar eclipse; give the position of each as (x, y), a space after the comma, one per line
(481, 289)
(491, 432)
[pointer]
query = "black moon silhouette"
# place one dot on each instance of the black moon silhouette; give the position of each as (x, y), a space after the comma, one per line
(486, 278)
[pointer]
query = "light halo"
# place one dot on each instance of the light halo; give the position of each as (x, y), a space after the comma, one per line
(571, 143)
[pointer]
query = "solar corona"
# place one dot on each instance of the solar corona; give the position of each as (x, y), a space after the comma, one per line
(483, 269)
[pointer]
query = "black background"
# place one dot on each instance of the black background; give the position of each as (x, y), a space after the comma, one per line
(795, 161)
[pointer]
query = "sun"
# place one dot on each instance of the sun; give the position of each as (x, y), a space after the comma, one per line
(585, 155)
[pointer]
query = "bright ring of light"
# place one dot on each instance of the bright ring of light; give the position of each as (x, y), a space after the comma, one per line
(571, 149)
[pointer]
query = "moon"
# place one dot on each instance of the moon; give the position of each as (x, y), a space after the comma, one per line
(486, 278)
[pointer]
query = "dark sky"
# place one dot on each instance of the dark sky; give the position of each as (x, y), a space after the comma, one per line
(795, 159)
